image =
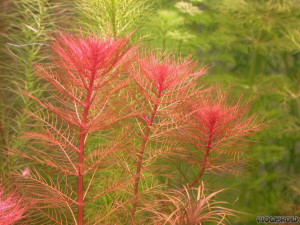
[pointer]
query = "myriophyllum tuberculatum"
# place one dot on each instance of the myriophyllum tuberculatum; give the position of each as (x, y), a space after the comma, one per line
(97, 85)
(213, 130)
(84, 78)
(162, 81)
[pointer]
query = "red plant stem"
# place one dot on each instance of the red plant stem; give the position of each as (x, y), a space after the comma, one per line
(205, 161)
(141, 153)
(83, 135)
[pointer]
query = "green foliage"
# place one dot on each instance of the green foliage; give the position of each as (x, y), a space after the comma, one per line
(29, 24)
(168, 28)
(260, 24)
(118, 16)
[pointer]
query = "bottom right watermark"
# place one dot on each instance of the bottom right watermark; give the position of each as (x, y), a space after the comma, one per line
(277, 219)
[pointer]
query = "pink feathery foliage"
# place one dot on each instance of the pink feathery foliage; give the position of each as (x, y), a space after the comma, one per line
(84, 147)
(83, 66)
(12, 208)
(191, 206)
(162, 81)
(83, 101)
(215, 128)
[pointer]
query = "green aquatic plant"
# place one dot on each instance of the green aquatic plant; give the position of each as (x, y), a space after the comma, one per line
(118, 17)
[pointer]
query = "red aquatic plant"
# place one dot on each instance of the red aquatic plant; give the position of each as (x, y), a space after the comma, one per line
(191, 206)
(162, 81)
(84, 81)
(12, 208)
(215, 127)
(81, 141)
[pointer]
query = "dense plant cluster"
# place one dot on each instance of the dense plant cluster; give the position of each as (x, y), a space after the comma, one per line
(107, 118)
(96, 87)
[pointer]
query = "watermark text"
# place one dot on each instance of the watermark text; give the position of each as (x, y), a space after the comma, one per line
(277, 219)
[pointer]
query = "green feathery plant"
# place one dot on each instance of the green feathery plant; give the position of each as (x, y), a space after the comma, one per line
(118, 16)
(261, 28)
(30, 22)
(176, 25)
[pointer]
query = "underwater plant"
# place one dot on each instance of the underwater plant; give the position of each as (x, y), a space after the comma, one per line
(105, 99)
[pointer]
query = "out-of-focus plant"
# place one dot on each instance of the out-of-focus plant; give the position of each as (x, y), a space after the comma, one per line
(169, 29)
(261, 29)
(249, 37)
(29, 25)
(293, 192)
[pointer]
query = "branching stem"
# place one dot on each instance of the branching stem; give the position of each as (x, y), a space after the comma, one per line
(205, 161)
(141, 153)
